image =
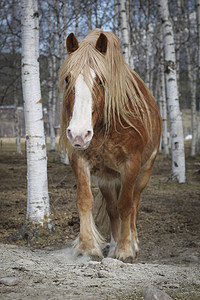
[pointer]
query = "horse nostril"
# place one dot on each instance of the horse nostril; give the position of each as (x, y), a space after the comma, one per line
(88, 134)
(69, 133)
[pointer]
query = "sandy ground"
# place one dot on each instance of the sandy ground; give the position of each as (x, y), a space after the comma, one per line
(168, 228)
(41, 274)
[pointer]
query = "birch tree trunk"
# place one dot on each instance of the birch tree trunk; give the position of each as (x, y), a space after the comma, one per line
(76, 17)
(192, 84)
(38, 210)
(124, 31)
(16, 118)
(114, 20)
(192, 57)
(177, 139)
(198, 26)
(130, 30)
(51, 106)
(51, 83)
(62, 44)
(88, 6)
(178, 41)
(163, 102)
(16, 115)
(147, 44)
(64, 52)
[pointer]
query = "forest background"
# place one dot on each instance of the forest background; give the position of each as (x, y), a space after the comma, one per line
(145, 49)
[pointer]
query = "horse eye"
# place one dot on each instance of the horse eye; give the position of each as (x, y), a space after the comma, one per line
(67, 80)
(101, 83)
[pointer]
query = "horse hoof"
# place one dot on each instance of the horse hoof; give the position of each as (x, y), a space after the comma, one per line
(129, 260)
(96, 257)
(94, 254)
(126, 257)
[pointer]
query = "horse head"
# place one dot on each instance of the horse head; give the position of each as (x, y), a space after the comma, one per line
(85, 101)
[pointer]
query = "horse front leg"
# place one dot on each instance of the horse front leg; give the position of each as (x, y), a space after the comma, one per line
(89, 240)
(126, 249)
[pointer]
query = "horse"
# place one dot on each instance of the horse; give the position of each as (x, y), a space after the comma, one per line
(111, 127)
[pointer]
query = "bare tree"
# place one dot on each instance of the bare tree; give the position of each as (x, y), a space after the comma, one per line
(124, 31)
(177, 139)
(38, 210)
(192, 58)
(16, 116)
(147, 44)
(198, 29)
(163, 101)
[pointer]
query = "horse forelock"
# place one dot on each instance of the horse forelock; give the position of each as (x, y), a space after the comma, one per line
(122, 94)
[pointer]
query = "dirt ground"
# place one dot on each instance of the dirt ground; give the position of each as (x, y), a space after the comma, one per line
(168, 221)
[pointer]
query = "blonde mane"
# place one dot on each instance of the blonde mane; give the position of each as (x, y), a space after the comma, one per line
(123, 98)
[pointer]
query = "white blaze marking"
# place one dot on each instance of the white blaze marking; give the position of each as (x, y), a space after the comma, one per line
(81, 121)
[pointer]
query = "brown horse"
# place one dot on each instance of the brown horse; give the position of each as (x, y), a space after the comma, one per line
(111, 127)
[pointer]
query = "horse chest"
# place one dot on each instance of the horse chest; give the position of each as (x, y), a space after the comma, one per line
(104, 163)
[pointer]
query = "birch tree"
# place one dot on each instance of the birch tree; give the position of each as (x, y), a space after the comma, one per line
(192, 57)
(130, 13)
(178, 40)
(163, 102)
(76, 9)
(124, 31)
(192, 75)
(51, 98)
(177, 139)
(16, 116)
(198, 30)
(147, 45)
(38, 210)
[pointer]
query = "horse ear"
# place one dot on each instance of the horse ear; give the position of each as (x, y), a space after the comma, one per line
(71, 43)
(101, 44)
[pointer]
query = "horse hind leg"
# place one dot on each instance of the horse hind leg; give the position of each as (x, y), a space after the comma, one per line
(124, 249)
(141, 183)
(110, 193)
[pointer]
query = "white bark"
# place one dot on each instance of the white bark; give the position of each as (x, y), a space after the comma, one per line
(177, 139)
(64, 52)
(76, 17)
(51, 106)
(163, 103)
(178, 41)
(124, 31)
(198, 26)
(147, 45)
(51, 83)
(16, 116)
(54, 100)
(131, 40)
(38, 209)
(192, 83)
(192, 76)
(88, 5)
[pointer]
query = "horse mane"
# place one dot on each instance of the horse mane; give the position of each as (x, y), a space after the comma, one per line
(123, 98)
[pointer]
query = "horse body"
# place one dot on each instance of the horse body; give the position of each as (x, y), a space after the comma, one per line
(120, 155)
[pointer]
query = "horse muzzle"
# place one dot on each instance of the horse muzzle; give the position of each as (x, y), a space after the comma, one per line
(79, 140)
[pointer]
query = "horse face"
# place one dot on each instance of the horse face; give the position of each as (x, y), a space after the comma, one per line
(80, 129)
(87, 102)
(84, 106)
